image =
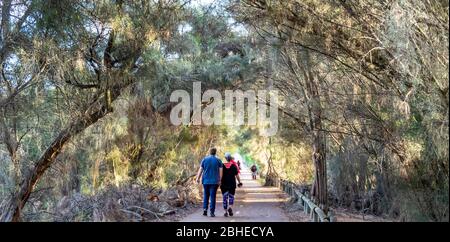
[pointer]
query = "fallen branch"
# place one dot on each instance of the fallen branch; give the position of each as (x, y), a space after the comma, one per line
(157, 215)
(185, 180)
(131, 212)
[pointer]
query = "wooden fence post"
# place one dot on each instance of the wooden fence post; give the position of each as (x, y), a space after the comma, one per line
(306, 205)
(331, 216)
(315, 216)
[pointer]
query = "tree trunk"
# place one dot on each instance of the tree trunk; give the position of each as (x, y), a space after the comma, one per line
(319, 190)
(11, 210)
(319, 187)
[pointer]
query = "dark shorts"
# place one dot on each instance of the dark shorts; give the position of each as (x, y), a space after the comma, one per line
(230, 190)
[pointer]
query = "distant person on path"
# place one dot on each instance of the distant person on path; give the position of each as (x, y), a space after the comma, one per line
(239, 164)
(210, 171)
(228, 184)
(254, 170)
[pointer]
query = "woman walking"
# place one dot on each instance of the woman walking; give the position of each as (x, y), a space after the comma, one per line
(228, 184)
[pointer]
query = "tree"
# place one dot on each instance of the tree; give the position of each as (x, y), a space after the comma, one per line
(108, 30)
(367, 84)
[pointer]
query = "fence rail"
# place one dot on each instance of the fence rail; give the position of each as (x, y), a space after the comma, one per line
(309, 207)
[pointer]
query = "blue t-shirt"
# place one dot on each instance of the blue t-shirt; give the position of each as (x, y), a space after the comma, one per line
(211, 165)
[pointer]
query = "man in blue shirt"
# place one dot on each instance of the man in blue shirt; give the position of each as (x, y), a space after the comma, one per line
(211, 173)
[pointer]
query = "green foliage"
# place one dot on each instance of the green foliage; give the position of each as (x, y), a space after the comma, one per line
(379, 70)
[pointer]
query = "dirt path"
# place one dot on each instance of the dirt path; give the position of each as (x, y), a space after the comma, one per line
(253, 203)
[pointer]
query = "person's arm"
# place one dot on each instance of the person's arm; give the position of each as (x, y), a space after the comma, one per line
(199, 174)
(220, 175)
(238, 178)
(220, 171)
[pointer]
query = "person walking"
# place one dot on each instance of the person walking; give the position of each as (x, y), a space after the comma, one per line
(228, 184)
(210, 171)
(254, 171)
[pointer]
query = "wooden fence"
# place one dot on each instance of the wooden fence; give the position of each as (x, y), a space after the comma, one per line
(309, 207)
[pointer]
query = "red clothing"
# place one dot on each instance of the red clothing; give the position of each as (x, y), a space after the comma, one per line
(232, 162)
